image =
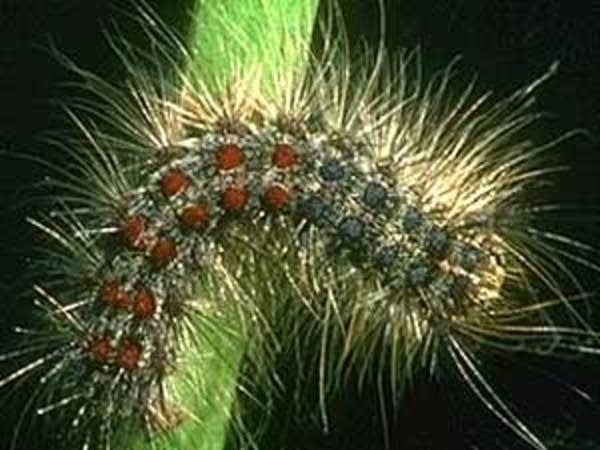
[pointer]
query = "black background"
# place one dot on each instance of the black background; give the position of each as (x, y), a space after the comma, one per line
(506, 42)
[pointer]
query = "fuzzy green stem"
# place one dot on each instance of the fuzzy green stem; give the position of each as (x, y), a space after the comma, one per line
(242, 34)
(228, 36)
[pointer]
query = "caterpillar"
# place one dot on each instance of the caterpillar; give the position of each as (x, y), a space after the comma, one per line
(342, 212)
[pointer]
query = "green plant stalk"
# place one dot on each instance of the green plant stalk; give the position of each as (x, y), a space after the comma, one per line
(226, 39)
(243, 35)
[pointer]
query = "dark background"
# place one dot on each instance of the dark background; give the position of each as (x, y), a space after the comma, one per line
(508, 43)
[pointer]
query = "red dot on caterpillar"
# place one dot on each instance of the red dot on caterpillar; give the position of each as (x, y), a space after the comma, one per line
(275, 197)
(229, 156)
(163, 252)
(283, 156)
(129, 355)
(234, 199)
(173, 182)
(144, 303)
(113, 295)
(109, 291)
(194, 216)
(132, 231)
(100, 349)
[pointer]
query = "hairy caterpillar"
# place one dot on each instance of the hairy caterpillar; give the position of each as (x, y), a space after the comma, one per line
(388, 191)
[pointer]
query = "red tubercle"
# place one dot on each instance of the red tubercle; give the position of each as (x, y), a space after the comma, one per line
(194, 216)
(163, 252)
(132, 232)
(112, 294)
(275, 197)
(144, 302)
(129, 355)
(284, 156)
(229, 156)
(100, 349)
(109, 292)
(173, 182)
(234, 198)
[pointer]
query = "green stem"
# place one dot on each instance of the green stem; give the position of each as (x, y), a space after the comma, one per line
(234, 35)
(228, 37)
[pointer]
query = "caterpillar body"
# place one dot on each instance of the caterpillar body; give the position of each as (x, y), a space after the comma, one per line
(335, 202)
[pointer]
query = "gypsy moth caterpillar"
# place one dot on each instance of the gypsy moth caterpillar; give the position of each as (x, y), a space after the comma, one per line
(399, 224)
